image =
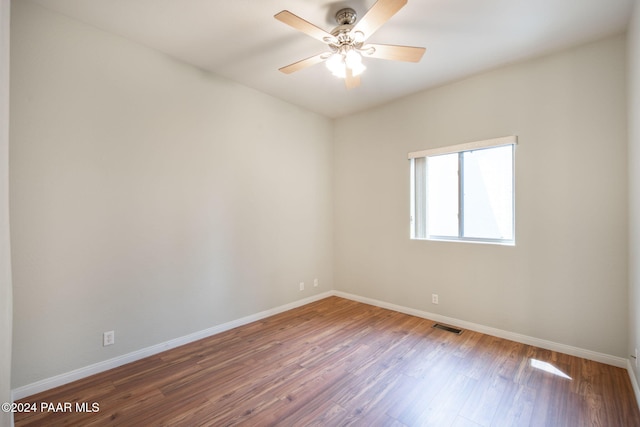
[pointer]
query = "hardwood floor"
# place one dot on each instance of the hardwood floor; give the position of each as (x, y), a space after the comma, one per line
(338, 362)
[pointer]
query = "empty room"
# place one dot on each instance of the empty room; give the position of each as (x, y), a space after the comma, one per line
(359, 212)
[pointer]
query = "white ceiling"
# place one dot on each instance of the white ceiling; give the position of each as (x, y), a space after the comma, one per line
(240, 40)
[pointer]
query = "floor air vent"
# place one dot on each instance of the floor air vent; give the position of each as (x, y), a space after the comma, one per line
(448, 328)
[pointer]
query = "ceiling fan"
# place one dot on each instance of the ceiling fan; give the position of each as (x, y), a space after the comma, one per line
(347, 41)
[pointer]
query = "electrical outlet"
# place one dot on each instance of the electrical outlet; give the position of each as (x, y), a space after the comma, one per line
(434, 299)
(315, 283)
(108, 338)
(302, 286)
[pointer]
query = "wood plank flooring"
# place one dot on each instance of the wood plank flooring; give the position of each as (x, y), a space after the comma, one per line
(337, 362)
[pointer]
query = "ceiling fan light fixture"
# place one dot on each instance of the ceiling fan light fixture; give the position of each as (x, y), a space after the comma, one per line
(357, 69)
(353, 60)
(338, 63)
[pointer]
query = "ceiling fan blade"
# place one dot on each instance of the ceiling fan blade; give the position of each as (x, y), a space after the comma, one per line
(306, 27)
(351, 81)
(379, 13)
(304, 63)
(394, 53)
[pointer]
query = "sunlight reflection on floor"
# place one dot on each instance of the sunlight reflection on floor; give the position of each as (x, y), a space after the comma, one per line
(548, 367)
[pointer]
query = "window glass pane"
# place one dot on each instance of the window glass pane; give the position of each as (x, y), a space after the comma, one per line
(442, 191)
(488, 193)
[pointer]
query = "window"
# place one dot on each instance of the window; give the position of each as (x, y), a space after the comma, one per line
(464, 192)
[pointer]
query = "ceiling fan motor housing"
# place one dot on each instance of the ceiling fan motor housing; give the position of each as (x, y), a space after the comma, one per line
(346, 19)
(346, 16)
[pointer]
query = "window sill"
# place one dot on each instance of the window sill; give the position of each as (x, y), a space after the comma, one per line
(476, 241)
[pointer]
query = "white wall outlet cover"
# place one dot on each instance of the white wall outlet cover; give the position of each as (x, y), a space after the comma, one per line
(108, 338)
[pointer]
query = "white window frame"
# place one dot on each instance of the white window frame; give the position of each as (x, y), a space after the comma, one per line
(460, 148)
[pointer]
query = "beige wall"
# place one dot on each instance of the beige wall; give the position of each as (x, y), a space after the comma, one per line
(5, 258)
(149, 197)
(634, 183)
(566, 278)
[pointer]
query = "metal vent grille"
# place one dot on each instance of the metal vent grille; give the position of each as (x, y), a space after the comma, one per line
(448, 328)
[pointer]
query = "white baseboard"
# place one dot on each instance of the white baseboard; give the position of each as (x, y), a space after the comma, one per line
(634, 381)
(58, 380)
(524, 339)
